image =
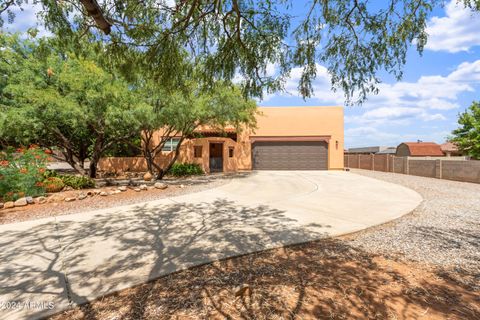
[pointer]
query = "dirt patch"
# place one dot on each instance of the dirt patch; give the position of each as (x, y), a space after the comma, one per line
(327, 279)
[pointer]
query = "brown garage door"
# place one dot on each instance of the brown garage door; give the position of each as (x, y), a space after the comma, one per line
(290, 155)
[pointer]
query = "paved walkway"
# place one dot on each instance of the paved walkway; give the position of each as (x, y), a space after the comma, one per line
(75, 258)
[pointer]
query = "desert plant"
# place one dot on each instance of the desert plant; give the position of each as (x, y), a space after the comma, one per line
(21, 172)
(185, 169)
(77, 182)
(73, 181)
(53, 184)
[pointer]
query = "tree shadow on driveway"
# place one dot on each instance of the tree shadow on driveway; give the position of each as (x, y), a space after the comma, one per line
(76, 259)
(325, 279)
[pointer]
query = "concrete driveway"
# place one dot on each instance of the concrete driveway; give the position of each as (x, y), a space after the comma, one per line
(47, 264)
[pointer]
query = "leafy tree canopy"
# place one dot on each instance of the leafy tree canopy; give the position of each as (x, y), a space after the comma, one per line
(467, 135)
(55, 95)
(353, 39)
(54, 98)
(181, 112)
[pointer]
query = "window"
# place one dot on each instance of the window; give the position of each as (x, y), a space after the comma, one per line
(230, 152)
(197, 151)
(171, 144)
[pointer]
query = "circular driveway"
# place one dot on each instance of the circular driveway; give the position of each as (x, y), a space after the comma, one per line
(329, 202)
(111, 249)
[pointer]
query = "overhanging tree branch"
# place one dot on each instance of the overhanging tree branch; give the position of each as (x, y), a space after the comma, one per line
(94, 10)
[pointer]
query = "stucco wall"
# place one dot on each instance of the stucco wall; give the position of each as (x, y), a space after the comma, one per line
(271, 122)
(305, 121)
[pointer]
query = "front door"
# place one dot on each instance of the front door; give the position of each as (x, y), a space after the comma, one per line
(216, 157)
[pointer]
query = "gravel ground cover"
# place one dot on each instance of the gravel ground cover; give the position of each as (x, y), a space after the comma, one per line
(176, 187)
(325, 279)
(421, 266)
(443, 231)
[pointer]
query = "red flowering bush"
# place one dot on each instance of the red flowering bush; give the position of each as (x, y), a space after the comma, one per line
(21, 172)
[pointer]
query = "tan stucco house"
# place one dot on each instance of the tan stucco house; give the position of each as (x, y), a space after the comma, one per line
(286, 138)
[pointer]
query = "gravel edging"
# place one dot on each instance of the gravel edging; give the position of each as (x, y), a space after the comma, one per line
(176, 187)
(444, 230)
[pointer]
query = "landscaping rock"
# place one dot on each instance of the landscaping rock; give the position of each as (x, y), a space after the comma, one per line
(40, 200)
(96, 191)
(70, 199)
(117, 191)
(143, 187)
(110, 193)
(160, 185)
(81, 196)
(20, 202)
(67, 188)
(137, 189)
(29, 200)
(103, 194)
(8, 205)
(147, 176)
(122, 188)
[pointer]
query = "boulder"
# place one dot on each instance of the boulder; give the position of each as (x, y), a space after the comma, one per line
(8, 205)
(117, 191)
(122, 188)
(160, 185)
(81, 196)
(20, 202)
(70, 199)
(29, 200)
(143, 187)
(40, 200)
(147, 176)
(137, 189)
(103, 193)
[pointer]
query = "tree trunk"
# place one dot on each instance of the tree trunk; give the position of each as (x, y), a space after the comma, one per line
(163, 172)
(150, 162)
(96, 154)
(76, 164)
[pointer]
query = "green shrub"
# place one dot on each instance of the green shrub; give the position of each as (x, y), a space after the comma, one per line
(185, 169)
(53, 184)
(21, 172)
(76, 182)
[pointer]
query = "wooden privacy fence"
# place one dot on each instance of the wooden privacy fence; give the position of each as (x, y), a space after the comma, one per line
(458, 169)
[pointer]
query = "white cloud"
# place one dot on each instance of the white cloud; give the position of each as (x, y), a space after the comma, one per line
(393, 116)
(26, 18)
(457, 31)
(398, 103)
(367, 136)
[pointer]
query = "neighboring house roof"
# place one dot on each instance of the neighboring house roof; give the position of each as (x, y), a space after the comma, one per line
(425, 149)
(211, 130)
(449, 147)
(389, 150)
(374, 149)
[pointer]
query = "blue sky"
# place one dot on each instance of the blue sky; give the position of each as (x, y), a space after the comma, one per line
(423, 105)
